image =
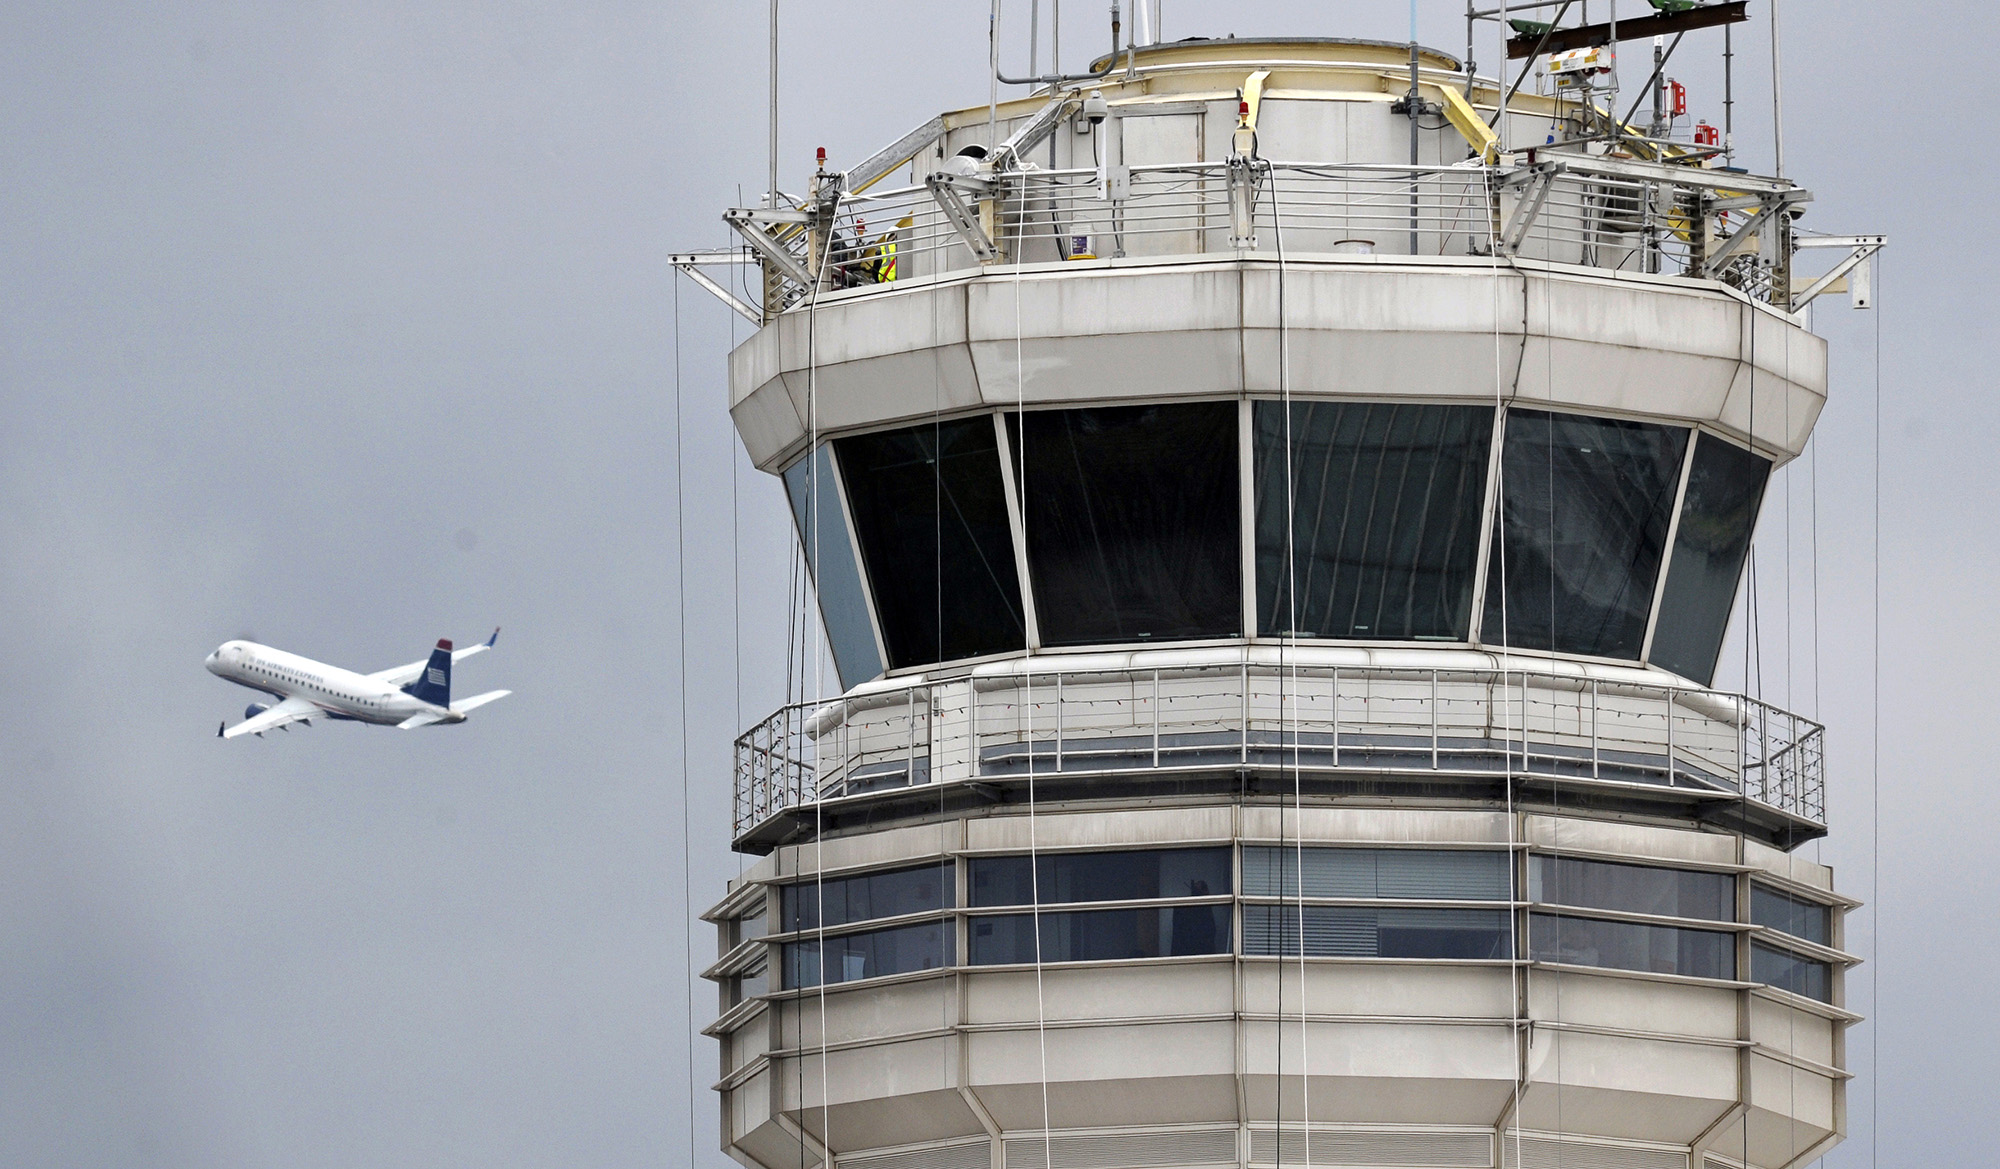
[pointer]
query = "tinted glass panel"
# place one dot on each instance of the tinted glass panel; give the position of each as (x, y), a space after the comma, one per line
(1791, 915)
(1718, 513)
(836, 576)
(1100, 935)
(1625, 945)
(932, 518)
(1632, 888)
(866, 896)
(1100, 876)
(1584, 505)
(1133, 519)
(1385, 518)
(1356, 932)
(1801, 976)
(1416, 874)
(924, 946)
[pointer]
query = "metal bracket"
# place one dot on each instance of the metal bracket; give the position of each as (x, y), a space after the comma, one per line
(950, 191)
(749, 223)
(692, 264)
(1539, 180)
(1862, 249)
(1768, 208)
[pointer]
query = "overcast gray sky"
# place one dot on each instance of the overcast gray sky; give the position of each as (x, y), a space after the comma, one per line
(349, 327)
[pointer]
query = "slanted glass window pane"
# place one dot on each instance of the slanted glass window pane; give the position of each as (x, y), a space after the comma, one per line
(1100, 935)
(1718, 514)
(1071, 877)
(1584, 508)
(866, 896)
(1801, 976)
(1359, 932)
(1626, 945)
(1385, 518)
(876, 954)
(1389, 873)
(843, 606)
(1133, 518)
(1778, 910)
(932, 518)
(1592, 884)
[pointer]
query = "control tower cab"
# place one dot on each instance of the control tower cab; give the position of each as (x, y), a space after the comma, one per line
(1275, 538)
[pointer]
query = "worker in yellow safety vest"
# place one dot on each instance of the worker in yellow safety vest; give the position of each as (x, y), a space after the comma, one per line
(880, 258)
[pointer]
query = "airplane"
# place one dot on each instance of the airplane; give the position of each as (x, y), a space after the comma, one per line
(416, 695)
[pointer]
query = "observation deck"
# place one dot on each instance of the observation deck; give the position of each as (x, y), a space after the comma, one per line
(1276, 553)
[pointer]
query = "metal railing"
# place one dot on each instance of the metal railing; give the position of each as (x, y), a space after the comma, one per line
(1319, 718)
(1610, 214)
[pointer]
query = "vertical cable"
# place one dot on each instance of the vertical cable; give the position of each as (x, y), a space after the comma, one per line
(1875, 754)
(1288, 671)
(680, 604)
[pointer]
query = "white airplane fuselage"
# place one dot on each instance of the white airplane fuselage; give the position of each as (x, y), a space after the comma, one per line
(340, 693)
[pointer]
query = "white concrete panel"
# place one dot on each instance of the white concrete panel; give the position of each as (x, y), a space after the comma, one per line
(768, 423)
(854, 1014)
(1792, 1030)
(1632, 1004)
(1375, 825)
(867, 850)
(1790, 866)
(1102, 829)
(1379, 989)
(1650, 1067)
(866, 1073)
(1107, 369)
(1100, 993)
(1634, 840)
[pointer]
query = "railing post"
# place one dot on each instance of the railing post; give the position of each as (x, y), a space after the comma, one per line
(1434, 719)
(1243, 719)
(1059, 726)
(910, 760)
(1156, 720)
(1336, 725)
(1595, 697)
(1670, 736)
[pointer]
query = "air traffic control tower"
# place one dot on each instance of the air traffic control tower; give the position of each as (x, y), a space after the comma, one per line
(1275, 536)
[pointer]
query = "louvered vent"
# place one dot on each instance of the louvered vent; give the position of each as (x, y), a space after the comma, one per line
(975, 1155)
(1549, 1153)
(1432, 1150)
(1136, 1150)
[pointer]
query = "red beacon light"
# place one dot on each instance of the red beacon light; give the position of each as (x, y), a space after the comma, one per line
(821, 158)
(1707, 135)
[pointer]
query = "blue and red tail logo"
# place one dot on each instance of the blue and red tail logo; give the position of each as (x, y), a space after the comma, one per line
(434, 684)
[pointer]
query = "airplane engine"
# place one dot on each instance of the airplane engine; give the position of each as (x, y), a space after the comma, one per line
(254, 709)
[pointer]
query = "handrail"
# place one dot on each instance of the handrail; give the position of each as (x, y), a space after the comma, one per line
(1126, 719)
(1617, 214)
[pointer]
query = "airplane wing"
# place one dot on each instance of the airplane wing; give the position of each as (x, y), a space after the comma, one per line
(289, 711)
(404, 674)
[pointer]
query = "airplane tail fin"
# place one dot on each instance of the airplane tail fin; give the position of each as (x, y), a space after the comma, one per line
(434, 684)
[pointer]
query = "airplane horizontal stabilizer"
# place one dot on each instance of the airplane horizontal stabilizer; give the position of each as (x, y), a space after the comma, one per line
(422, 720)
(468, 705)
